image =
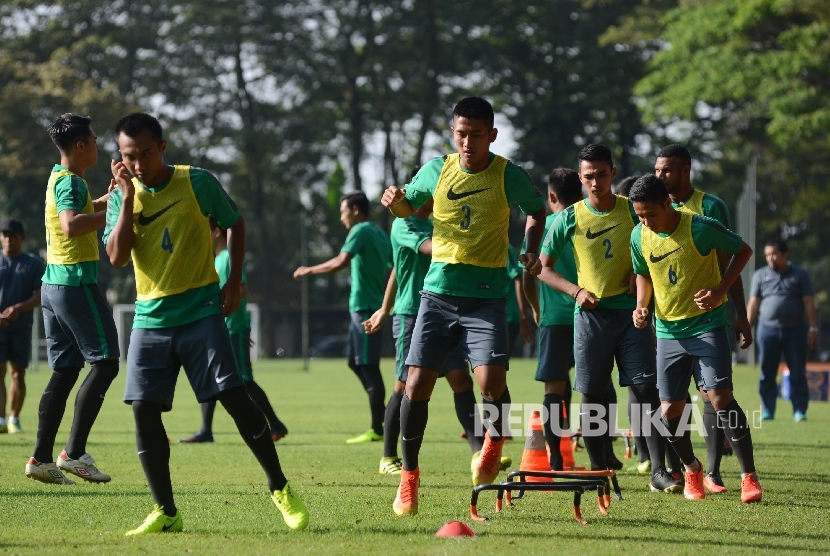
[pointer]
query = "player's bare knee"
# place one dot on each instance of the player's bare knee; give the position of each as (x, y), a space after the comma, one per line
(459, 380)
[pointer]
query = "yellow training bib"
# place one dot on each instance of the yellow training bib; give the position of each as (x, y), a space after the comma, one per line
(678, 271)
(59, 248)
(471, 215)
(602, 251)
(172, 250)
(693, 204)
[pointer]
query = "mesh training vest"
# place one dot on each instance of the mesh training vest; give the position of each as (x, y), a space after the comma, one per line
(471, 215)
(678, 271)
(602, 251)
(694, 204)
(172, 250)
(59, 248)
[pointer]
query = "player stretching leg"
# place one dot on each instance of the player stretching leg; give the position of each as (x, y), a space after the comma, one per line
(160, 218)
(675, 256)
(465, 289)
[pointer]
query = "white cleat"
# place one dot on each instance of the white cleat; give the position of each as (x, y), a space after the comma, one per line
(46, 473)
(83, 467)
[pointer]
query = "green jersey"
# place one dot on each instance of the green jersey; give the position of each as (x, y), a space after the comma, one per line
(561, 237)
(70, 193)
(411, 266)
(467, 280)
(238, 321)
(371, 253)
(555, 307)
(197, 303)
(514, 270)
(707, 234)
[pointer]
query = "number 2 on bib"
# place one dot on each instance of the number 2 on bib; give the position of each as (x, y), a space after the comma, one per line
(166, 244)
(608, 253)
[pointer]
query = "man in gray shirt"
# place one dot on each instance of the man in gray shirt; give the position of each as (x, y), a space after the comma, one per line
(781, 297)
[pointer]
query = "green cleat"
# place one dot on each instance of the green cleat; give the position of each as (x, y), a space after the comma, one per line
(390, 466)
(157, 522)
(293, 511)
(368, 436)
(14, 426)
(504, 462)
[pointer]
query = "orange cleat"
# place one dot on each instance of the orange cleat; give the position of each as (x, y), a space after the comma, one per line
(713, 483)
(406, 501)
(487, 468)
(750, 489)
(694, 484)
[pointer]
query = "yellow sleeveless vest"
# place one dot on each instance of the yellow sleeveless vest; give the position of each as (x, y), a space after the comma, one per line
(172, 250)
(471, 215)
(694, 204)
(59, 248)
(602, 250)
(678, 271)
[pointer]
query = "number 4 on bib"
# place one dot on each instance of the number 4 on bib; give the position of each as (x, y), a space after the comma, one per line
(166, 244)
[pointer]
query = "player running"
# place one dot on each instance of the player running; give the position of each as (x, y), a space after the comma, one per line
(463, 301)
(599, 230)
(676, 256)
(77, 320)
(239, 329)
(160, 219)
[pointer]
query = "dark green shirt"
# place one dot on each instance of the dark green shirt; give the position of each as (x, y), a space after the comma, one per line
(514, 270)
(408, 234)
(371, 253)
(238, 321)
(555, 307)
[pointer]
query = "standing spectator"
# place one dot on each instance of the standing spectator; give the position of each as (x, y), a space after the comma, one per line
(781, 297)
(20, 275)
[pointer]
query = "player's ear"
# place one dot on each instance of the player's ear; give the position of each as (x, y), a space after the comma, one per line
(493, 134)
(613, 172)
(163, 146)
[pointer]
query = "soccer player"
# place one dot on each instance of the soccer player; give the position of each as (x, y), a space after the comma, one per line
(554, 314)
(159, 217)
(465, 289)
(239, 328)
(76, 318)
(369, 253)
(20, 281)
(676, 256)
(411, 252)
(673, 166)
(599, 229)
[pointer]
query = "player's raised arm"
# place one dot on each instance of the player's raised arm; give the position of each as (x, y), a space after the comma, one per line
(534, 232)
(120, 208)
(395, 200)
(708, 299)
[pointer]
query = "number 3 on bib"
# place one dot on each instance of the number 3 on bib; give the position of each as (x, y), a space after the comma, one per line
(166, 244)
(465, 224)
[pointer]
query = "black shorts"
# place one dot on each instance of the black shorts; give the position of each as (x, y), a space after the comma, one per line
(402, 327)
(363, 348)
(556, 352)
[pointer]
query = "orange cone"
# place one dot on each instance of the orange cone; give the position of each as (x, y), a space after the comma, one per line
(535, 456)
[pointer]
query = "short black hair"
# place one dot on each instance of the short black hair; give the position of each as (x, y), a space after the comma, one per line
(624, 187)
(779, 244)
(596, 152)
(676, 151)
(68, 129)
(475, 108)
(356, 199)
(648, 189)
(565, 184)
(133, 124)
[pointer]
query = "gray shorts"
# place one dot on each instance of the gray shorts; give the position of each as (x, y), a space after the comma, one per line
(78, 325)
(707, 357)
(240, 343)
(556, 352)
(402, 327)
(202, 347)
(362, 348)
(602, 336)
(446, 322)
(16, 346)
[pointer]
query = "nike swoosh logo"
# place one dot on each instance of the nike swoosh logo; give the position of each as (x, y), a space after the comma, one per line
(594, 235)
(646, 376)
(659, 258)
(166, 527)
(736, 439)
(263, 432)
(453, 196)
(147, 220)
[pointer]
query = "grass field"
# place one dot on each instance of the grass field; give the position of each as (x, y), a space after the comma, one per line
(222, 495)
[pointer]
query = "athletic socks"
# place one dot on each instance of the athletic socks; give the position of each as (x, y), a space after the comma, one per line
(154, 453)
(648, 400)
(714, 437)
(392, 425)
(50, 411)
(594, 443)
(413, 424)
(465, 410)
(639, 440)
(373, 383)
(553, 403)
(88, 403)
(733, 420)
(257, 394)
(252, 426)
(682, 444)
(208, 408)
(502, 406)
